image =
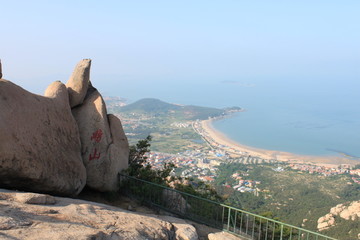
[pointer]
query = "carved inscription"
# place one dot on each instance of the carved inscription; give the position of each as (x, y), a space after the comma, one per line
(96, 137)
(94, 155)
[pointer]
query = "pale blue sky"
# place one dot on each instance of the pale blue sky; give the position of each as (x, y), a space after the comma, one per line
(138, 45)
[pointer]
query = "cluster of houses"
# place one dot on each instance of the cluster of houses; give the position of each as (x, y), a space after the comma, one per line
(181, 124)
(327, 171)
(194, 163)
(245, 185)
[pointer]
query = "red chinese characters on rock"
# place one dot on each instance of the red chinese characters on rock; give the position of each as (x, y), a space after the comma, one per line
(96, 136)
(95, 155)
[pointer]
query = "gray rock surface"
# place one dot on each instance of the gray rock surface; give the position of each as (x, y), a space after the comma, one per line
(104, 146)
(34, 198)
(78, 82)
(118, 151)
(39, 141)
(183, 230)
(83, 220)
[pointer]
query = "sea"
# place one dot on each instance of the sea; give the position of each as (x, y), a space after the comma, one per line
(306, 116)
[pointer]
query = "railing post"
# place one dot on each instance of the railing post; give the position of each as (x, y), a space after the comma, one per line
(228, 224)
(260, 229)
(266, 231)
(235, 222)
(253, 231)
(281, 231)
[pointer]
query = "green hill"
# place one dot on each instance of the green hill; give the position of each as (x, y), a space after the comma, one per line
(157, 107)
(150, 105)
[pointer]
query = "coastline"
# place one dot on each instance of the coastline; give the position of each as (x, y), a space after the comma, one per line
(221, 139)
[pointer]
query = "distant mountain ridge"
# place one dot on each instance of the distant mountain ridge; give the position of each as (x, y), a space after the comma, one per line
(187, 112)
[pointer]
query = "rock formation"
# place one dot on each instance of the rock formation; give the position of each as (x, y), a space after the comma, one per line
(78, 82)
(104, 146)
(31, 216)
(39, 141)
(47, 146)
(349, 211)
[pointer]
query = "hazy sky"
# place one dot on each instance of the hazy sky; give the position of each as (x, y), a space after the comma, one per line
(135, 44)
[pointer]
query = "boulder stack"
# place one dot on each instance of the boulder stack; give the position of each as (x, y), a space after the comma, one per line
(61, 141)
(104, 146)
(39, 141)
(78, 82)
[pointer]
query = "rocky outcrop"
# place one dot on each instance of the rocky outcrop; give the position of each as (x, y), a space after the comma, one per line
(326, 222)
(77, 219)
(175, 201)
(183, 230)
(119, 148)
(39, 141)
(78, 82)
(104, 146)
(346, 211)
(58, 142)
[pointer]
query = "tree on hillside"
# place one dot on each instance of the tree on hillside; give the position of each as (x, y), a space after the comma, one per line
(140, 168)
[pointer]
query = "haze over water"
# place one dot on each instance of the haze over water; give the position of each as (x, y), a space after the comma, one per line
(318, 119)
(311, 117)
(293, 65)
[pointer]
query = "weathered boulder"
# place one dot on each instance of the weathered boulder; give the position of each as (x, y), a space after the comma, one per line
(175, 201)
(78, 82)
(34, 198)
(104, 146)
(118, 151)
(350, 211)
(183, 230)
(39, 141)
(326, 222)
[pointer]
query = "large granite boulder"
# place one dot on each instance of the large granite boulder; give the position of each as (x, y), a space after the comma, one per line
(104, 146)
(39, 141)
(119, 148)
(78, 82)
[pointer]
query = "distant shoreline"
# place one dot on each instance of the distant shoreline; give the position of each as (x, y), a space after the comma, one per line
(222, 139)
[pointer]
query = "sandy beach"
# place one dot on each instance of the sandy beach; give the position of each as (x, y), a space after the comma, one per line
(222, 139)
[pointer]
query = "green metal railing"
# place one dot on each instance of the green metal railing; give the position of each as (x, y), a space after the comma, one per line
(242, 223)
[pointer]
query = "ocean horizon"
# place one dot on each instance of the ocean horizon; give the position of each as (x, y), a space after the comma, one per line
(303, 117)
(319, 120)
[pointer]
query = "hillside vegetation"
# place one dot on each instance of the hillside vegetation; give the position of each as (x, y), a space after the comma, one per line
(293, 197)
(156, 107)
(170, 125)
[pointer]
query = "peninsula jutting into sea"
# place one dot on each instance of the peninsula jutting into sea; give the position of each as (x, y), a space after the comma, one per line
(142, 118)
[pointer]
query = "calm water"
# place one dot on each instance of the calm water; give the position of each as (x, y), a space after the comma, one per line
(319, 121)
(319, 117)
